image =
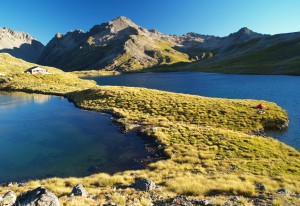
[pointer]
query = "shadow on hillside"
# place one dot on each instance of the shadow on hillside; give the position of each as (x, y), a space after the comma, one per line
(27, 52)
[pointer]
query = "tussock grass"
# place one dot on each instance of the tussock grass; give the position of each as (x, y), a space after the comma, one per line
(194, 185)
(138, 104)
(57, 82)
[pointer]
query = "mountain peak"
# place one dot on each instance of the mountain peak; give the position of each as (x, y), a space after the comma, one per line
(245, 30)
(245, 34)
(123, 18)
(121, 23)
(15, 34)
(114, 26)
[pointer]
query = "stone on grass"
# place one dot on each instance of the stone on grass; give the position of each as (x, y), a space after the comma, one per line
(260, 186)
(79, 190)
(144, 185)
(37, 197)
(284, 191)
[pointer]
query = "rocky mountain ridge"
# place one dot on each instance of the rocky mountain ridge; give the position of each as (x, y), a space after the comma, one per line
(20, 44)
(116, 45)
(121, 45)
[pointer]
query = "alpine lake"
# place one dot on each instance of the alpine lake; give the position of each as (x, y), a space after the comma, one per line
(45, 136)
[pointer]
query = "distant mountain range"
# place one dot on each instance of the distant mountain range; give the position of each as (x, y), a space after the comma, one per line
(122, 45)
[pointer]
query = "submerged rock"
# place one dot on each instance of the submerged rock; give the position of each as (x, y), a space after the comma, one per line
(78, 190)
(37, 197)
(144, 185)
(8, 199)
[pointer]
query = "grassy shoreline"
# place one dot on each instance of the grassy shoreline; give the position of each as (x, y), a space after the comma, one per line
(208, 142)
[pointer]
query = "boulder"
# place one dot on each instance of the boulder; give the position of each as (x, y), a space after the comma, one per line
(144, 185)
(284, 191)
(260, 186)
(37, 197)
(8, 199)
(79, 190)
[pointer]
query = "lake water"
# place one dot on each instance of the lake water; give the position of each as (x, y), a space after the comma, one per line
(284, 90)
(44, 136)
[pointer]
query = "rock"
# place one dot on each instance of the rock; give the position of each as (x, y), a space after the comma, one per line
(284, 191)
(144, 185)
(258, 201)
(260, 132)
(109, 204)
(22, 184)
(182, 200)
(261, 187)
(37, 197)
(8, 199)
(296, 195)
(201, 202)
(283, 126)
(234, 199)
(79, 190)
(10, 184)
(6, 80)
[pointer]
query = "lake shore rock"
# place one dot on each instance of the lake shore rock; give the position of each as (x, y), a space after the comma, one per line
(38, 197)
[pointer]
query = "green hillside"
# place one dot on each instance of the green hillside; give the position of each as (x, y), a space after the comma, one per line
(57, 82)
(279, 58)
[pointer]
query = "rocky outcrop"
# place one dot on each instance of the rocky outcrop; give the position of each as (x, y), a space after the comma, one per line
(119, 45)
(20, 45)
(38, 197)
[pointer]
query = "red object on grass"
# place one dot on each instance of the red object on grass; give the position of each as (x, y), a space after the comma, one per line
(260, 106)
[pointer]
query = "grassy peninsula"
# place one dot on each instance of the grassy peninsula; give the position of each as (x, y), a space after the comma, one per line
(209, 142)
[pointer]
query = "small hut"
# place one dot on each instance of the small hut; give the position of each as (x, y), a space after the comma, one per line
(36, 70)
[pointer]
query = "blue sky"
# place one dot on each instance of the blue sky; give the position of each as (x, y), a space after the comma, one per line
(43, 18)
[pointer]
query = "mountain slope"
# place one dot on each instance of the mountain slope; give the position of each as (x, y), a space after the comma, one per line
(121, 45)
(244, 52)
(277, 54)
(20, 45)
(117, 45)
